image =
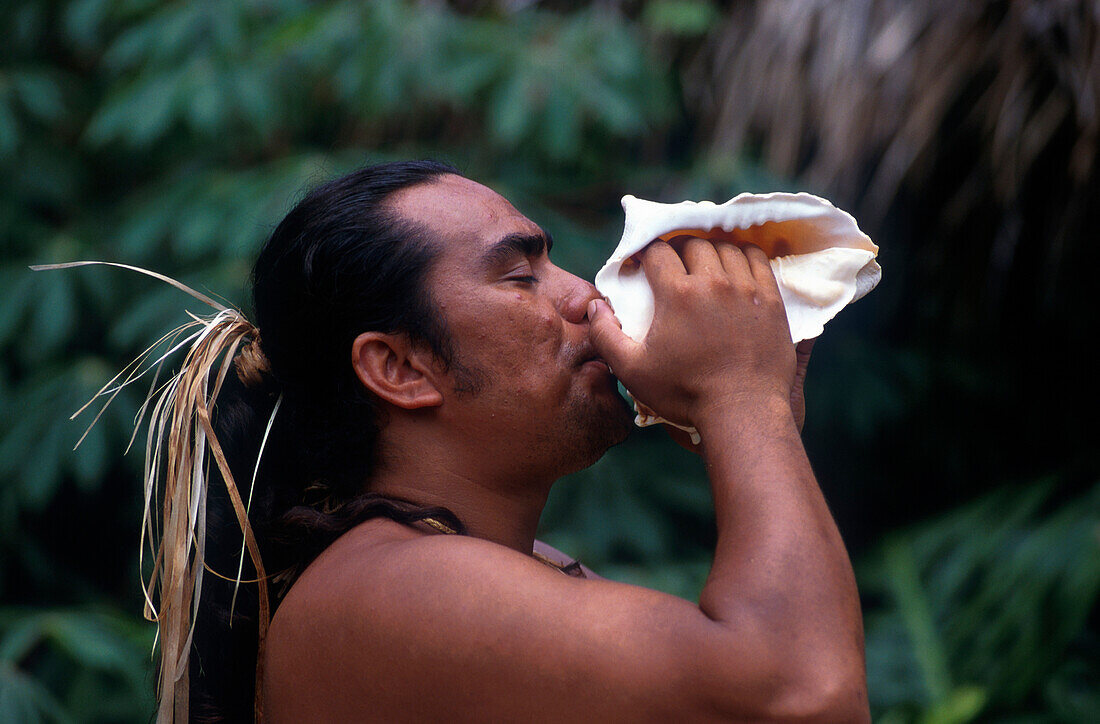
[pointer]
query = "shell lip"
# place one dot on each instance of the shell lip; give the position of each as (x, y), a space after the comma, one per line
(806, 206)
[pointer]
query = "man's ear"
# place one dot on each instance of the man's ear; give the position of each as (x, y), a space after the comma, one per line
(396, 370)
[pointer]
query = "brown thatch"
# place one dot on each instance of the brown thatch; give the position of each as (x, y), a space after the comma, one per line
(952, 110)
(832, 86)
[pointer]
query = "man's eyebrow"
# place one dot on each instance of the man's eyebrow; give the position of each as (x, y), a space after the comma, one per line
(518, 243)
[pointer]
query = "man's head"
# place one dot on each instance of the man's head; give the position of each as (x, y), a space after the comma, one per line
(518, 323)
(409, 251)
(339, 263)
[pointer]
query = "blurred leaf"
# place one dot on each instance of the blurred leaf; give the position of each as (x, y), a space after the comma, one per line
(54, 314)
(1074, 691)
(90, 648)
(85, 639)
(140, 113)
(680, 17)
(915, 609)
(16, 283)
(19, 639)
(22, 699)
(512, 111)
(40, 94)
(42, 473)
(83, 21)
(9, 128)
(960, 706)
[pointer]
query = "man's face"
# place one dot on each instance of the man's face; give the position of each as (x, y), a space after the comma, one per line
(520, 324)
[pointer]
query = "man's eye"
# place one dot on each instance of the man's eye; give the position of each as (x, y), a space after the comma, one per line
(528, 279)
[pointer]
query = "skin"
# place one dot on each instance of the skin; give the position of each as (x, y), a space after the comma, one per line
(399, 623)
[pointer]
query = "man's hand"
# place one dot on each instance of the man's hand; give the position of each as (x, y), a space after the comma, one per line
(719, 336)
(798, 398)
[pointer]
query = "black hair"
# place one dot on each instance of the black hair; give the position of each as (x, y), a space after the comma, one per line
(342, 262)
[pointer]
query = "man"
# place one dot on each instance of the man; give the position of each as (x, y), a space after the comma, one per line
(399, 622)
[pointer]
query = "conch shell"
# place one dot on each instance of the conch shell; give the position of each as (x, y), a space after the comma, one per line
(821, 260)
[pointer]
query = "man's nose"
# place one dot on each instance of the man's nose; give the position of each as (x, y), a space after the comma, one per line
(574, 304)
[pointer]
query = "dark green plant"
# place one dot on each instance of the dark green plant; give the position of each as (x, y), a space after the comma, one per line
(985, 609)
(101, 658)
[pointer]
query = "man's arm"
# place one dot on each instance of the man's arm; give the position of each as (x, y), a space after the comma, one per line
(780, 565)
(403, 626)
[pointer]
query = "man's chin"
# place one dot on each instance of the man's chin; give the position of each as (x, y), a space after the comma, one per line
(616, 427)
(622, 413)
(603, 425)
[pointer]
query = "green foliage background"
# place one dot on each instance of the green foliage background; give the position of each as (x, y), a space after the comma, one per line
(175, 135)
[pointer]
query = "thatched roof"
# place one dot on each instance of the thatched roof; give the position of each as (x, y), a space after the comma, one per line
(829, 86)
(948, 109)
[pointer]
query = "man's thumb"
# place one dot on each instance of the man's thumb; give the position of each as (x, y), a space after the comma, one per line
(607, 336)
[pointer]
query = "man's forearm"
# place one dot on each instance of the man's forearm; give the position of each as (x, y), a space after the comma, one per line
(780, 564)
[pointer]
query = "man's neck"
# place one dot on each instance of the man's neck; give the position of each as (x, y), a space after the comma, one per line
(494, 508)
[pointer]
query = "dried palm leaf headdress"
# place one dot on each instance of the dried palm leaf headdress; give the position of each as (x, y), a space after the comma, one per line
(179, 444)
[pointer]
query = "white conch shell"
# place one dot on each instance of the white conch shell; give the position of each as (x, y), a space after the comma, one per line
(821, 260)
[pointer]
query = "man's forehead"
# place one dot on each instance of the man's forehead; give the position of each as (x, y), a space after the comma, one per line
(459, 209)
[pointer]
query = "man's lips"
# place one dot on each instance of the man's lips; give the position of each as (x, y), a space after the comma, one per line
(596, 362)
(585, 355)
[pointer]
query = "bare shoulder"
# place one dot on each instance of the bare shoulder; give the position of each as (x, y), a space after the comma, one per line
(392, 624)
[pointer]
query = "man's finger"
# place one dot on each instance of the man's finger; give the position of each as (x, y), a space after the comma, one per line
(606, 334)
(803, 349)
(700, 256)
(662, 264)
(802, 358)
(798, 393)
(733, 259)
(761, 268)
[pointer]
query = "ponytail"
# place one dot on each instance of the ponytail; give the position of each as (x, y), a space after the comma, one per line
(291, 433)
(176, 468)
